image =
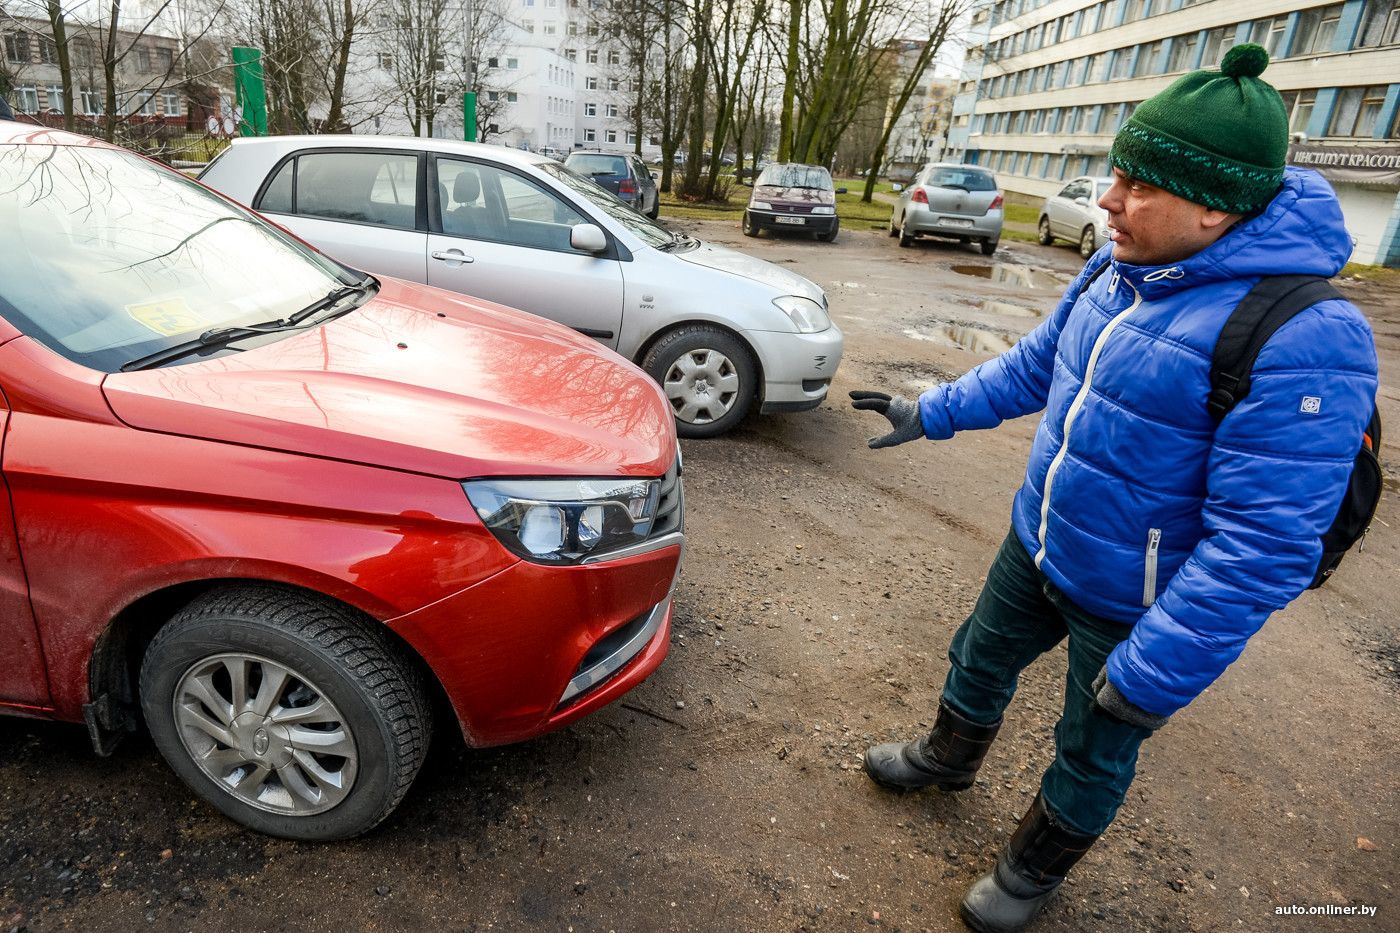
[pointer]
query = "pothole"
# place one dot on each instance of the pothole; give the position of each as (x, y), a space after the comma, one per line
(991, 306)
(975, 339)
(1019, 276)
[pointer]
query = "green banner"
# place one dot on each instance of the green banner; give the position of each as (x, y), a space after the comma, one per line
(252, 93)
(469, 117)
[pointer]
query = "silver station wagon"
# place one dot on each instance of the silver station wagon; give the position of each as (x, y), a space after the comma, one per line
(718, 329)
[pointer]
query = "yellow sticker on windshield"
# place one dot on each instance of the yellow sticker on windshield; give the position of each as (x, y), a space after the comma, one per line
(167, 317)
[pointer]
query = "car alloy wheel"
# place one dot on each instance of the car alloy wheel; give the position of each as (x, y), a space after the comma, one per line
(1043, 235)
(291, 713)
(1087, 243)
(708, 376)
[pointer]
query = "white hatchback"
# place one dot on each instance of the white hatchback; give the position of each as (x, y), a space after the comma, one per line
(1074, 214)
(717, 328)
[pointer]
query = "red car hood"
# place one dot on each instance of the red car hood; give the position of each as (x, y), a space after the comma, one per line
(423, 380)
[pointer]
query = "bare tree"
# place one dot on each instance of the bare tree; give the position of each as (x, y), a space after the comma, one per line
(292, 48)
(941, 20)
(729, 46)
(415, 39)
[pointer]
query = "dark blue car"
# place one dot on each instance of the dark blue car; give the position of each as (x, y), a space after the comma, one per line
(623, 174)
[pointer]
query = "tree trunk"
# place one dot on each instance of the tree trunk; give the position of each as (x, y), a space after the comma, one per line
(785, 124)
(109, 73)
(335, 114)
(65, 63)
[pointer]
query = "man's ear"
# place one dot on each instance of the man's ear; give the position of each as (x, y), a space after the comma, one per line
(1213, 218)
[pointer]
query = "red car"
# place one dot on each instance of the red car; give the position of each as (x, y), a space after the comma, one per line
(274, 507)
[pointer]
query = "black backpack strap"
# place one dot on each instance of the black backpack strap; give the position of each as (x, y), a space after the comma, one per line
(1270, 304)
(1084, 286)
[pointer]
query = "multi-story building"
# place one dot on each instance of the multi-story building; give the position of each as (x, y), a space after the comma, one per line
(1059, 77)
(150, 79)
(547, 79)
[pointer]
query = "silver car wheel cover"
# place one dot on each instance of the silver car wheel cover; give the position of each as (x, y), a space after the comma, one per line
(265, 734)
(703, 386)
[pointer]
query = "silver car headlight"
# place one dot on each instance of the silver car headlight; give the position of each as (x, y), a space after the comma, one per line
(760, 205)
(565, 521)
(806, 315)
(823, 209)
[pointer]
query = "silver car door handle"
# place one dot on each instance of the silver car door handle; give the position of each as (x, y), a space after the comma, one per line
(452, 255)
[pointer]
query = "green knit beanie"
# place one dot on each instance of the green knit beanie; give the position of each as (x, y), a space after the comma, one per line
(1218, 138)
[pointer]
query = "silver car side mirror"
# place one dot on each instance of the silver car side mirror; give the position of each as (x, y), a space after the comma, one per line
(588, 238)
(1082, 201)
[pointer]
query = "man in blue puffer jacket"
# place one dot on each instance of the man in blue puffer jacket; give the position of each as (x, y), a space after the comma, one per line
(1155, 541)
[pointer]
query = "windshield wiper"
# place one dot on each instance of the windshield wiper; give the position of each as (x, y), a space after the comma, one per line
(220, 337)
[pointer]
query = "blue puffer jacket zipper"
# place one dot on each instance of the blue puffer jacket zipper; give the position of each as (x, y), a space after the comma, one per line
(1135, 503)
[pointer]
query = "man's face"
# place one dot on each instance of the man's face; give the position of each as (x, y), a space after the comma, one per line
(1152, 227)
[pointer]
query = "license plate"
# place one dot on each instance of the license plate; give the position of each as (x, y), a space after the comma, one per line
(951, 222)
(797, 220)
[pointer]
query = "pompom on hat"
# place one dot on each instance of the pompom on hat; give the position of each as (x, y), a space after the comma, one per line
(1218, 138)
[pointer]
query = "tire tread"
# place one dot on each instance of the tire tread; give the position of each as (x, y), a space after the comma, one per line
(395, 687)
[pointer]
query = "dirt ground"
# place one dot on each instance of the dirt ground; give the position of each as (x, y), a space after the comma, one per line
(821, 586)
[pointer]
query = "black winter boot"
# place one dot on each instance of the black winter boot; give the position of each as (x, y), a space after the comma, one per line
(948, 757)
(1027, 873)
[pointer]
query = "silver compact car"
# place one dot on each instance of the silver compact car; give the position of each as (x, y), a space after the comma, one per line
(1074, 214)
(956, 202)
(718, 329)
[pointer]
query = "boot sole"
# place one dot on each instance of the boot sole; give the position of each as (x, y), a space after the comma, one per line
(973, 921)
(906, 788)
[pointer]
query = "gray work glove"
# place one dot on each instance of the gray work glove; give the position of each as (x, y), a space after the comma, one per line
(1108, 702)
(903, 414)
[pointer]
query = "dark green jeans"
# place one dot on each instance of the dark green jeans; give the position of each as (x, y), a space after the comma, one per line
(1020, 616)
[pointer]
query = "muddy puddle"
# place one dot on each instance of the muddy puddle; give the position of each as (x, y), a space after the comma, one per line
(991, 306)
(1018, 276)
(986, 342)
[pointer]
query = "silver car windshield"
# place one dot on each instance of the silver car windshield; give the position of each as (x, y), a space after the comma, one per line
(105, 257)
(639, 225)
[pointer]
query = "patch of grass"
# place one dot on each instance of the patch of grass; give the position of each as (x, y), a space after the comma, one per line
(1008, 234)
(852, 210)
(671, 206)
(857, 185)
(1019, 213)
(1370, 273)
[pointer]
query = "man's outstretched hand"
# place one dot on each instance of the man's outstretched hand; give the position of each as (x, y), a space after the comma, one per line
(902, 413)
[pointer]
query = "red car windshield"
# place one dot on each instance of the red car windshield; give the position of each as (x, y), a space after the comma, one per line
(107, 257)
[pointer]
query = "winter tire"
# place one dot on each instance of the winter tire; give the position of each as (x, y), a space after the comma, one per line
(708, 376)
(1087, 245)
(1043, 235)
(292, 714)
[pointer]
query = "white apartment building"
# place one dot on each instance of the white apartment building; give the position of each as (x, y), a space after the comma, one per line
(551, 82)
(1048, 83)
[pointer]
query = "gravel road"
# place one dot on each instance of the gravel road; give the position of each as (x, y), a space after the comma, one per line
(822, 583)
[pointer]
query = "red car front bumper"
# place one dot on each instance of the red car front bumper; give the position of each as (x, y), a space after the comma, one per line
(507, 649)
